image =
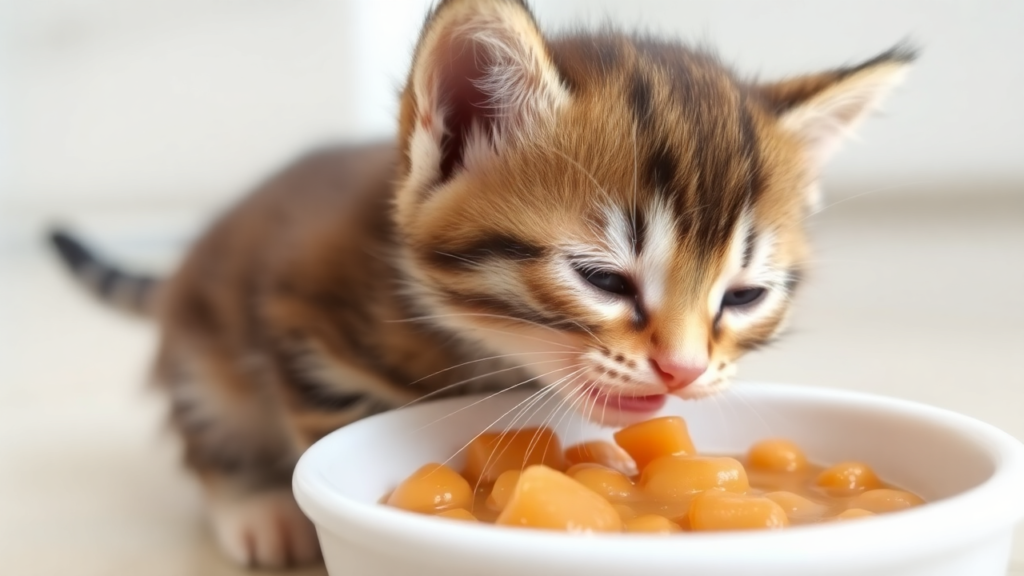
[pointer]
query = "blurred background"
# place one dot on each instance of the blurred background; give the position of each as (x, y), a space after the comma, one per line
(136, 121)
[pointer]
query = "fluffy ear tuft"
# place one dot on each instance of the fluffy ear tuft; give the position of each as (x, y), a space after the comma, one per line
(822, 109)
(482, 76)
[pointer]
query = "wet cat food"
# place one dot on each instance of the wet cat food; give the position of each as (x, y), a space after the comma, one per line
(652, 480)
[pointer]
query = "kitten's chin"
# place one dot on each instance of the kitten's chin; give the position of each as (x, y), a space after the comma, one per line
(618, 410)
(696, 392)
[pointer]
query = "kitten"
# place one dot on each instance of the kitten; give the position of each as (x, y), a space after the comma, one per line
(611, 217)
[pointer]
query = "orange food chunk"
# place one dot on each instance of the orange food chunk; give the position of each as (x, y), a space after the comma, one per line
(625, 512)
(651, 523)
(849, 478)
(655, 438)
(492, 453)
(613, 485)
(777, 456)
(677, 478)
(853, 513)
(885, 500)
(432, 488)
(797, 506)
(583, 466)
(716, 510)
(603, 453)
(458, 514)
(547, 498)
(502, 490)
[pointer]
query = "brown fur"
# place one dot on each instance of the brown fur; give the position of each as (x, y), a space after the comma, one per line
(360, 279)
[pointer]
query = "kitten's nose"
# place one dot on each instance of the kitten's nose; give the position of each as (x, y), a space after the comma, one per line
(677, 374)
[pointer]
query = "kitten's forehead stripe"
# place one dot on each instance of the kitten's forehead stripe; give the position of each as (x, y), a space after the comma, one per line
(641, 100)
(490, 304)
(662, 168)
(697, 142)
(488, 246)
(638, 230)
(749, 243)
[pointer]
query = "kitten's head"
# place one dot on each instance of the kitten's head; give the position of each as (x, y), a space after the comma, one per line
(619, 215)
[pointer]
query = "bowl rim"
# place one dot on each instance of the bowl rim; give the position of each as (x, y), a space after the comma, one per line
(951, 523)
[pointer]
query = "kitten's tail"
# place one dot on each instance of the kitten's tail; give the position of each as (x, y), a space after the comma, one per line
(128, 292)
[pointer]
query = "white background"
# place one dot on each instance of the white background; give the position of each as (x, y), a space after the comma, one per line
(163, 102)
(136, 119)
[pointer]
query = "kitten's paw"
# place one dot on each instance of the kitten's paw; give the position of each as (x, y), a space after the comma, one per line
(265, 530)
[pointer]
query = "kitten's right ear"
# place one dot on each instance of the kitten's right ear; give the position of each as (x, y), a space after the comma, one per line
(482, 77)
(822, 109)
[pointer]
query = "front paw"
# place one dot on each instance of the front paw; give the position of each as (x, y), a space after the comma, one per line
(264, 530)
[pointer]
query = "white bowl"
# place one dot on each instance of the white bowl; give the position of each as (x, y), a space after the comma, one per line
(971, 473)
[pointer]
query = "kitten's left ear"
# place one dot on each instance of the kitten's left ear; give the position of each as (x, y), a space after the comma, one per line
(822, 109)
(482, 77)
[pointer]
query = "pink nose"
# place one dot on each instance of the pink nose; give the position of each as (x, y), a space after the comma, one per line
(677, 374)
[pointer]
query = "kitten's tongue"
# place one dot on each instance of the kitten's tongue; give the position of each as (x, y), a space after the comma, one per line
(629, 403)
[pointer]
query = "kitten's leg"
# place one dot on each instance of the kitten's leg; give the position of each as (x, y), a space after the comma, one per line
(237, 442)
(260, 528)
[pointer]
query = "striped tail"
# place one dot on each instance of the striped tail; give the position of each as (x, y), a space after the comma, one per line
(132, 293)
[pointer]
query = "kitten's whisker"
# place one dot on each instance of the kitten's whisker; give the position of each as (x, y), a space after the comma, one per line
(559, 406)
(512, 423)
(484, 431)
(696, 208)
(554, 387)
(552, 414)
(718, 408)
(497, 316)
(636, 186)
(479, 376)
(588, 331)
(575, 397)
(532, 398)
(523, 411)
(774, 412)
(856, 196)
(482, 360)
(729, 405)
(537, 410)
(477, 314)
(585, 172)
(495, 330)
(752, 409)
(457, 257)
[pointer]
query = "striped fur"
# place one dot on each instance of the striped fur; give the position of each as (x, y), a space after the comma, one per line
(467, 255)
(129, 292)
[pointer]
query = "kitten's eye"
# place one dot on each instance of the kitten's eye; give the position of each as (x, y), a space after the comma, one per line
(742, 297)
(608, 281)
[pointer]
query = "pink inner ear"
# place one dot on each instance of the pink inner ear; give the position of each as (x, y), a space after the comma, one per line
(462, 67)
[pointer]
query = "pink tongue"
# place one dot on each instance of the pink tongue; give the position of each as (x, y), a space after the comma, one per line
(632, 403)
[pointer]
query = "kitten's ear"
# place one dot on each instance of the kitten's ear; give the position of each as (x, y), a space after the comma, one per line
(482, 77)
(822, 109)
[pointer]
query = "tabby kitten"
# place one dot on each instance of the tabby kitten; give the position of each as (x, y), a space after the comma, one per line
(612, 217)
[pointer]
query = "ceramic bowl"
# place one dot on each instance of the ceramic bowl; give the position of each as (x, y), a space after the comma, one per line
(971, 473)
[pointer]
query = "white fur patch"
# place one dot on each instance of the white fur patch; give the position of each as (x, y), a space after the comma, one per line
(263, 530)
(659, 246)
(425, 155)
